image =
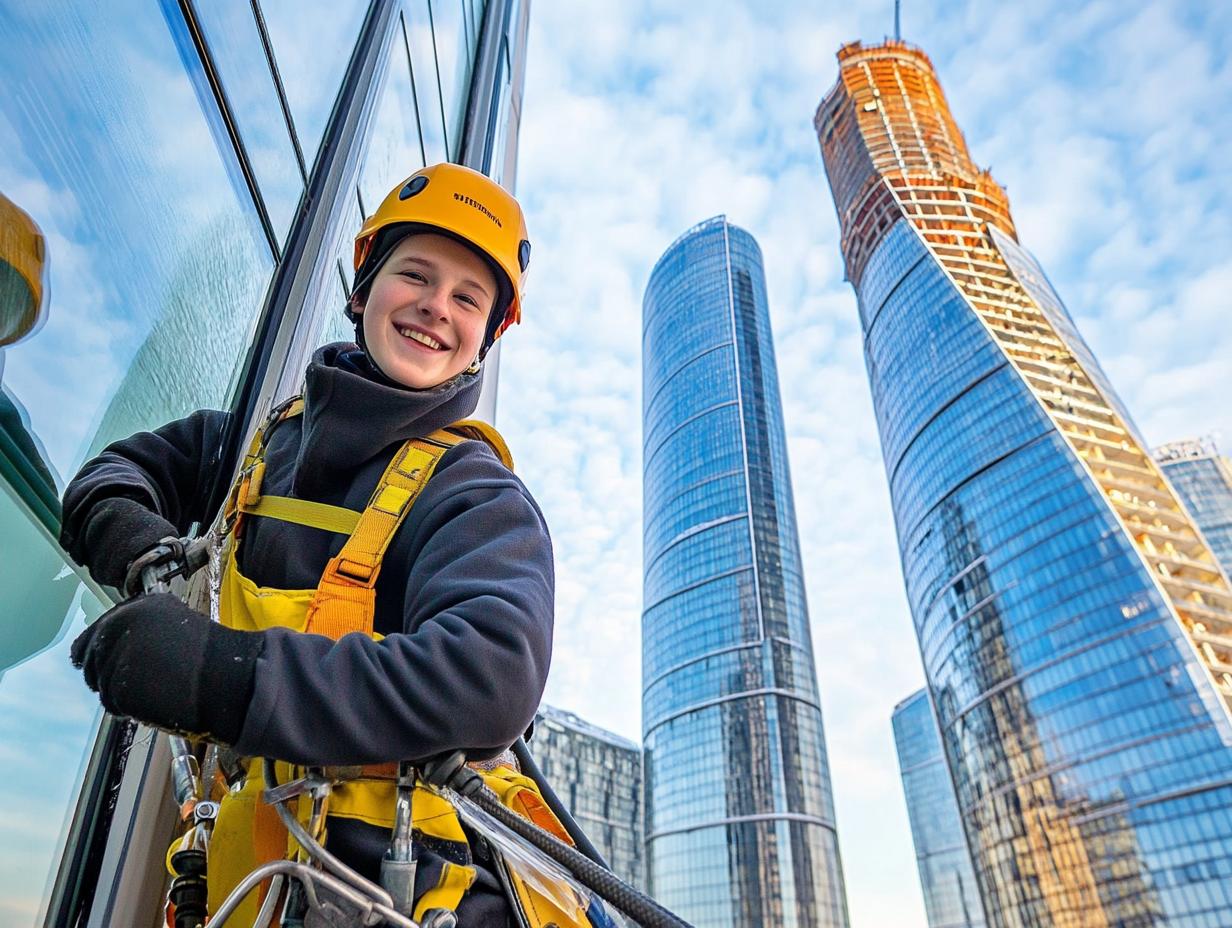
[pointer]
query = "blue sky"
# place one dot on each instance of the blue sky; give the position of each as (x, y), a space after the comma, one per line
(1107, 122)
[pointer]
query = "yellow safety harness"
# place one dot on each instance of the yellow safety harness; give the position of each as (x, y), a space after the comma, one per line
(247, 832)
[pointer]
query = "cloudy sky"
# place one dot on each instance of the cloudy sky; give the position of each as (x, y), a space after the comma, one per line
(1107, 122)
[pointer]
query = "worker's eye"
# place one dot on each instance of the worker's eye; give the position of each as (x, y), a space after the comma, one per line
(467, 298)
(415, 276)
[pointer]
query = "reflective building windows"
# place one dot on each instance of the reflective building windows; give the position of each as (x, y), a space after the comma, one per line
(154, 265)
(1073, 626)
(150, 248)
(951, 898)
(598, 777)
(739, 813)
(1203, 479)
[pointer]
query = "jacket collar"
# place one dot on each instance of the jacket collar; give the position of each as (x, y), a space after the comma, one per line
(352, 413)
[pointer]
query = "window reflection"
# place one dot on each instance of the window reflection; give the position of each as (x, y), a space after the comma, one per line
(454, 67)
(153, 270)
(23, 310)
(425, 72)
(395, 151)
(235, 44)
(312, 41)
(47, 717)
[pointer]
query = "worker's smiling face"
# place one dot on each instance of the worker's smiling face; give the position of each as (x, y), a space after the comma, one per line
(426, 310)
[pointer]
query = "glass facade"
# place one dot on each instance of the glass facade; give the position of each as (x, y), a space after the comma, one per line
(598, 776)
(1074, 627)
(739, 814)
(951, 899)
(1202, 477)
(158, 253)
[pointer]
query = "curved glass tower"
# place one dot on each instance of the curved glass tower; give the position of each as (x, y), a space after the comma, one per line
(1075, 629)
(739, 815)
(1202, 477)
(951, 899)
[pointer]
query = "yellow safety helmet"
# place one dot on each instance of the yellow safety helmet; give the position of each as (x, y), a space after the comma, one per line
(23, 272)
(466, 206)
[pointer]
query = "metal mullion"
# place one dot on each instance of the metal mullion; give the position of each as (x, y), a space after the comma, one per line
(477, 125)
(210, 67)
(436, 63)
(410, 66)
(739, 361)
(282, 96)
(275, 329)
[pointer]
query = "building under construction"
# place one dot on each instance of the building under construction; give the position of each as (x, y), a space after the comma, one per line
(1075, 628)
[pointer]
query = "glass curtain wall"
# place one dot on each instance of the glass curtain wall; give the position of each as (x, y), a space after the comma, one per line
(1072, 622)
(951, 897)
(739, 814)
(598, 776)
(152, 211)
(1202, 477)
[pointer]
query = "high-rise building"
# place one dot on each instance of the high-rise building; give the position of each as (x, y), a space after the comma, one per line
(951, 899)
(1075, 629)
(598, 776)
(739, 815)
(185, 184)
(1202, 477)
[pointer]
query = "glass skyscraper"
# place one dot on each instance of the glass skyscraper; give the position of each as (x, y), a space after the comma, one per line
(598, 776)
(1075, 629)
(739, 815)
(951, 899)
(1202, 477)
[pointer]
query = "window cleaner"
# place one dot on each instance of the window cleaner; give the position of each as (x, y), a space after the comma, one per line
(385, 600)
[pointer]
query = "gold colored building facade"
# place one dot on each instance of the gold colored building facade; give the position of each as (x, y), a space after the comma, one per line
(1076, 629)
(897, 153)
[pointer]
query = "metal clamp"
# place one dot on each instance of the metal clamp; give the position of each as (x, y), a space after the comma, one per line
(312, 782)
(153, 571)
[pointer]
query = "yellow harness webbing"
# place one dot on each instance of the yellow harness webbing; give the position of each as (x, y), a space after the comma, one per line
(345, 598)
(248, 831)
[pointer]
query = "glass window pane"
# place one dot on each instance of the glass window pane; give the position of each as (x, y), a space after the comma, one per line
(472, 28)
(427, 87)
(453, 65)
(312, 41)
(47, 715)
(347, 221)
(153, 269)
(236, 46)
(393, 150)
(477, 10)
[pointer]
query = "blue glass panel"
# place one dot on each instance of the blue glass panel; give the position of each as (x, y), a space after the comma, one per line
(1205, 486)
(1072, 708)
(453, 66)
(155, 268)
(235, 44)
(950, 894)
(312, 44)
(730, 710)
(426, 75)
(394, 151)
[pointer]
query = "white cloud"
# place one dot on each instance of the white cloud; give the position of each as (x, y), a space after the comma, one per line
(1108, 126)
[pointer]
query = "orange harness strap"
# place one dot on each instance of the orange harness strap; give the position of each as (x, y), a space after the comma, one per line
(345, 599)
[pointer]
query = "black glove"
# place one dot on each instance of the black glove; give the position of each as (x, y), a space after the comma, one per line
(116, 533)
(163, 663)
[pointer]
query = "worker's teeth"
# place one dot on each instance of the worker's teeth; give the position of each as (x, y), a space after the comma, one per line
(423, 339)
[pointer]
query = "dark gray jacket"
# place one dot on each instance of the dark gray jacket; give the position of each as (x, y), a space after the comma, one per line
(465, 594)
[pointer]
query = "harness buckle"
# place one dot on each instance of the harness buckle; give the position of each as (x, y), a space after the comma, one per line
(354, 570)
